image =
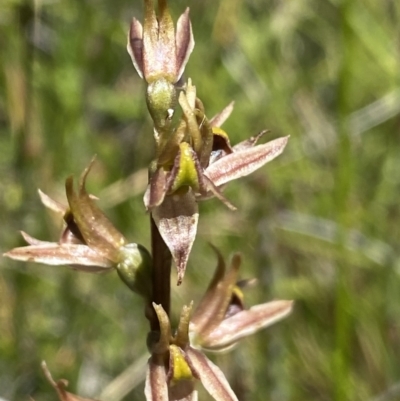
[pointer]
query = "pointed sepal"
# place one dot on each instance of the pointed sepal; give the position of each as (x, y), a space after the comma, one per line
(244, 162)
(176, 219)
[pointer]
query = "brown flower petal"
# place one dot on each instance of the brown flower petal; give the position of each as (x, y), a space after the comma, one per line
(245, 323)
(222, 116)
(96, 229)
(52, 204)
(135, 45)
(156, 190)
(176, 219)
(184, 43)
(156, 388)
(211, 376)
(162, 345)
(33, 241)
(75, 256)
(60, 386)
(182, 334)
(159, 51)
(212, 308)
(155, 49)
(215, 191)
(249, 142)
(187, 104)
(244, 162)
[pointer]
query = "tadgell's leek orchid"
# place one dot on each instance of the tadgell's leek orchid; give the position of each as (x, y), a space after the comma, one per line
(193, 161)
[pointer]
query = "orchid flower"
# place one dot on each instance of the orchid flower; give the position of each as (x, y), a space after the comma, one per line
(89, 242)
(174, 366)
(193, 164)
(159, 55)
(219, 321)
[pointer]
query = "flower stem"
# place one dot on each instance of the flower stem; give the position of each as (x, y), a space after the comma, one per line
(161, 275)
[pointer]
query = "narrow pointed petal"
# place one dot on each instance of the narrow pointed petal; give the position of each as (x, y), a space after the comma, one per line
(52, 204)
(190, 93)
(242, 163)
(200, 316)
(155, 192)
(166, 34)
(190, 117)
(150, 33)
(159, 52)
(96, 229)
(212, 308)
(161, 347)
(135, 45)
(250, 142)
(176, 219)
(217, 193)
(211, 376)
(222, 116)
(184, 42)
(169, 150)
(60, 386)
(33, 241)
(247, 322)
(207, 137)
(77, 257)
(182, 334)
(149, 37)
(156, 388)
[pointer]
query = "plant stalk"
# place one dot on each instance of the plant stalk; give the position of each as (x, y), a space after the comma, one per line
(161, 275)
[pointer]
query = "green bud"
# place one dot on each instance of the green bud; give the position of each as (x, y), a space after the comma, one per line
(134, 268)
(161, 101)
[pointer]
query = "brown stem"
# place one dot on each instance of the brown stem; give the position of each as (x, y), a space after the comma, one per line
(161, 275)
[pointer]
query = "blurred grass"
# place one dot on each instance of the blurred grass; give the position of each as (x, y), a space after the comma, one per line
(321, 224)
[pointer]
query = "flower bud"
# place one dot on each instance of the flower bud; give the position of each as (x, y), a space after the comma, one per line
(161, 100)
(134, 268)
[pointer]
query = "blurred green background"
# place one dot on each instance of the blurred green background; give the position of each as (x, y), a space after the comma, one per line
(320, 224)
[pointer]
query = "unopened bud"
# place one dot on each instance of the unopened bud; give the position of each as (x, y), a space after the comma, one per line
(134, 268)
(161, 101)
